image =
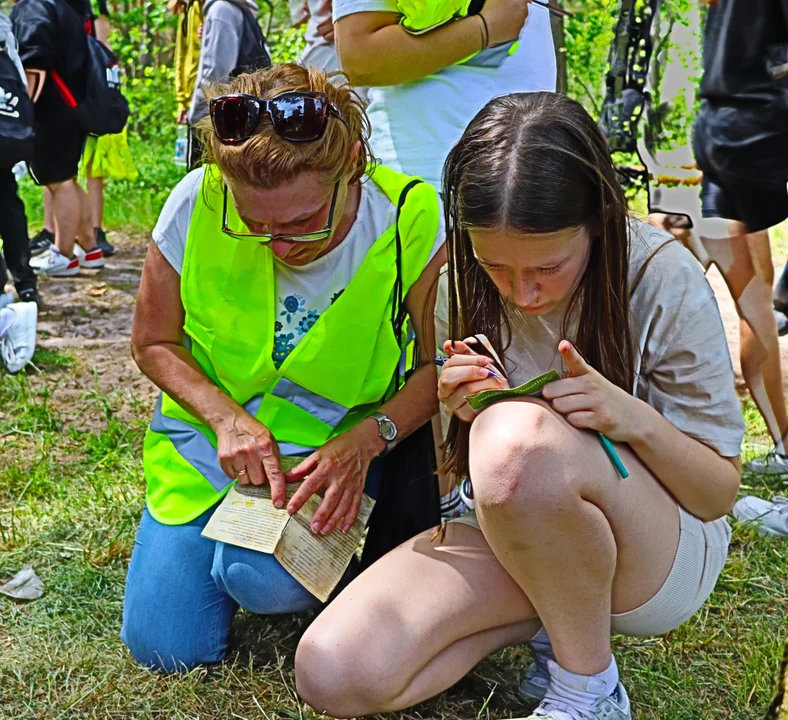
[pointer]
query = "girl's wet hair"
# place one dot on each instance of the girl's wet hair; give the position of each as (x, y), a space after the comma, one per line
(537, 163)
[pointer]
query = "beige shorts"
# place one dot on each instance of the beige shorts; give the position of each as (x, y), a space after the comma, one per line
(700, 557)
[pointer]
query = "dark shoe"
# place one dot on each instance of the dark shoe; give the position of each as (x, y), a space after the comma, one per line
(29, 295)
(41, 242)
(782, 323)
(103, 243)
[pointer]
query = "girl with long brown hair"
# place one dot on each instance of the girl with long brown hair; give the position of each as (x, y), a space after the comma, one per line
(545, 261)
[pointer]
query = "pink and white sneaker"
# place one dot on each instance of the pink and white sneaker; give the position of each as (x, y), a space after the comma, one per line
(91, 259)
(54, 264)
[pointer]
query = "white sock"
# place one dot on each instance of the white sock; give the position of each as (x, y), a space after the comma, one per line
(581, 690)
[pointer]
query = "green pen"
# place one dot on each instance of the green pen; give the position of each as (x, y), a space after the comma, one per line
(613, 455)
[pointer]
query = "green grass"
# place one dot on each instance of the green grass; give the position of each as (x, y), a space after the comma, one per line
(69, 503)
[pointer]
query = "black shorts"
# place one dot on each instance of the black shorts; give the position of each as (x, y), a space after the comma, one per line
(742, 180)
(59, 143)
(758, 207)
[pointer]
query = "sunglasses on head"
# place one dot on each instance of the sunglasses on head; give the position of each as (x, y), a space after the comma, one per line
(296, 116)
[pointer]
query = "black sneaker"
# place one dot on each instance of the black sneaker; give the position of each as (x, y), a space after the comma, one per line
(41, 242)
(29, 295)
(103, 243)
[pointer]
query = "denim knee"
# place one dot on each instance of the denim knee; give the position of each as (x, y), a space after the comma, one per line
(258, 582)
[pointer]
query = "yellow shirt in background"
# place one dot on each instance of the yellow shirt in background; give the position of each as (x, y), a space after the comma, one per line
(187, 51)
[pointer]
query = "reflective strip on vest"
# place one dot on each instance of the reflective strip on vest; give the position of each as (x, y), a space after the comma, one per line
(327, 411)
(197, 450)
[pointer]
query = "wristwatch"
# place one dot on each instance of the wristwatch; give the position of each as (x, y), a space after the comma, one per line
(386, 429)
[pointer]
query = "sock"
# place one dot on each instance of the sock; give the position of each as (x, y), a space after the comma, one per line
(450, 503)
(540, 643)
(581, 690)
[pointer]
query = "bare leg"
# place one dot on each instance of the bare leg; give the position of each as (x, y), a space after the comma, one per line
(96, 198)
(745, 263)
(557, 523)
(72, 217)
(49, 216)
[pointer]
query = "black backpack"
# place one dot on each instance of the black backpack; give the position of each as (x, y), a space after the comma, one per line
(104, 111)
(16, 113)
(253, 51)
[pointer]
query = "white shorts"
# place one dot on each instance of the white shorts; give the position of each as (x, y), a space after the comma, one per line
(700, 557)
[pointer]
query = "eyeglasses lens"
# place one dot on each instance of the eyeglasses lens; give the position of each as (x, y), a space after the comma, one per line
(236, 118)
(300, 118)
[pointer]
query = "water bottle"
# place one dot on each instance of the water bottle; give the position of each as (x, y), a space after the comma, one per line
(181, 146)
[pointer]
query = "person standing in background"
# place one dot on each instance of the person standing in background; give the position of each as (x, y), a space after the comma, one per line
(232, 43)
(13, 221)
(187, 57)
(741, 145)
(422, 93)
(52, 36)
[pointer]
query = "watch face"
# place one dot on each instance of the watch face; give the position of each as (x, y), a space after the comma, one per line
(388, 430)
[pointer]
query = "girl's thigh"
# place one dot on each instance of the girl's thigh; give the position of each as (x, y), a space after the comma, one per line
(409, 607)
(174, 615)
(525, 455)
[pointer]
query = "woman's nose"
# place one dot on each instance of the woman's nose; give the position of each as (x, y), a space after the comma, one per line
(280, 248)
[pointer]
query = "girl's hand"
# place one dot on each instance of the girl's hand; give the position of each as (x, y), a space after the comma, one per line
(465, 373)
(341, 467)
(247, 451)
(505, 19)
(588, 400)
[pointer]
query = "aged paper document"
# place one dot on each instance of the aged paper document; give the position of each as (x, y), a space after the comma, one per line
(247, 517)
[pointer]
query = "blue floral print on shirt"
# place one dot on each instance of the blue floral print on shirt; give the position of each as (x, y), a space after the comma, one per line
(296, 319)
(293, 304)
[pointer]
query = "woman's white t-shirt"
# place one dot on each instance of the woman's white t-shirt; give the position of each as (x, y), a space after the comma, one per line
(303, 293)
(415, 124)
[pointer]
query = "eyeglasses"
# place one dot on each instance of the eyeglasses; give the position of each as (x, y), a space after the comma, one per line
(296, 116)
(267, 237)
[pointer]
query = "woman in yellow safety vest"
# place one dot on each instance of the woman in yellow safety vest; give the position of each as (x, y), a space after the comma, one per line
(265, 316)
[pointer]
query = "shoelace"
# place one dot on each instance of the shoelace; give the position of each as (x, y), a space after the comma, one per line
(548, 708)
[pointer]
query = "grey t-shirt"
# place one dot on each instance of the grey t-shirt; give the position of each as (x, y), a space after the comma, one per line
(683, 366)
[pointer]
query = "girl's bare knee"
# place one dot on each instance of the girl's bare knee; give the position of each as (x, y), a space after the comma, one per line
(515, 452)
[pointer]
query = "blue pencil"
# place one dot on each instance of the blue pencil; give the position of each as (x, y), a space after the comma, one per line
(441, 361)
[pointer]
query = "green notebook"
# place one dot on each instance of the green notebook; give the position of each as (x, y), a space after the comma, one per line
(533, 388)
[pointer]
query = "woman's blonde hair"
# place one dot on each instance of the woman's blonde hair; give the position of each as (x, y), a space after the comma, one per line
(267, 160)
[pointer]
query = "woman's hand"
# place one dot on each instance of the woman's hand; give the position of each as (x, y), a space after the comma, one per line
(341, 467)
(588, 400)
(465, 373)
(505, 19)
(248, 451)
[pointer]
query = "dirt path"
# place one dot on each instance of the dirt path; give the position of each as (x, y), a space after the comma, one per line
(89, 318)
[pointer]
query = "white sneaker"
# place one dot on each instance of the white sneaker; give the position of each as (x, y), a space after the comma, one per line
(564, 699)
(537, 678)
(91, 259)
(772, 463)
(18, 343)
(54, 264)
(769, 517)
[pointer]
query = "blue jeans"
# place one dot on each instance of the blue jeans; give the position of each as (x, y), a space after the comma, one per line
(182, 591)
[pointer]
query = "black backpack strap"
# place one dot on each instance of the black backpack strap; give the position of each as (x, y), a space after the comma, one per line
(398, 310)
